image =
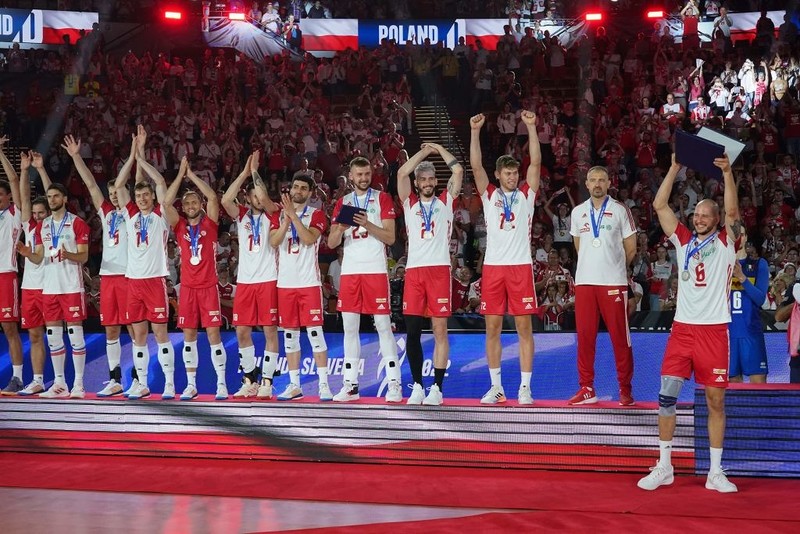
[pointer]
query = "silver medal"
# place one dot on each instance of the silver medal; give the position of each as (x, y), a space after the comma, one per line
(508, 227)
(295, 248)
(256, 248)
(112, 242)
(596, 242)
(427, 234)
(194, 260)
(54, 252)
(362, 230)
(685, 276)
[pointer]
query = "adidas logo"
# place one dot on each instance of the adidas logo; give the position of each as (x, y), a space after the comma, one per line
(719, 379)
(7, 316)
(315, 318)
(160, 316)
(444, 309)
(381, 307)
(215, 319)
(618, 299)
(76, 314)
(528, 307)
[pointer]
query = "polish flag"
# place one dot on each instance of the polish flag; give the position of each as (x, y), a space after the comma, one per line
(329, 34)
(56, 24)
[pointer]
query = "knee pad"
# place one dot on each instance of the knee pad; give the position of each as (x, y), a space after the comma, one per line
(190, 358)
(291, 341)
(55, 338)
(668, 395)
(317, 339)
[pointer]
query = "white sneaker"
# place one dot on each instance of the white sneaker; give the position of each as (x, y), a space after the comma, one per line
(434, 397)
(292, 392)
(189, 393)
(248, 389)
(660, 475)
(78, 392)
(417, 394)
(524, 395)
(325, 393)
(169, 391)
(349, 392)
(34, 388)
(394, 392)
(134, 387)
(58, 390)
(264, 390)
(222, 392)
(141, 392)
(112, 389)
(719, 481)
(495, 395)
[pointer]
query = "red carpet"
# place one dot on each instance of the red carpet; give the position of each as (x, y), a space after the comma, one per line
(590, 493)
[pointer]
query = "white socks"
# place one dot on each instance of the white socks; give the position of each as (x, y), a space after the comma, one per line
(494, 374)
(665, 453)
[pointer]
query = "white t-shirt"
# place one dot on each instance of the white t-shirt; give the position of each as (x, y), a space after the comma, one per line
(703, 299)
(603, 265)
(508, 242)
(298, 264)
(363, 253)
(434, 251)
(34, 273)
(259, 264)
(561, 229)
(146, 258)
(115, 257)
(62, 276)
(10, 230)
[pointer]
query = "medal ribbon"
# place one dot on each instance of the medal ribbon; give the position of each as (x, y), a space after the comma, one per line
(426, 217)
(596, 223)
(112, 225)
(255, 228)
(194, 237)
(144, 222)
(696, 249)
(366, 201)
(57, 235)
(507, 206)
(294, 230)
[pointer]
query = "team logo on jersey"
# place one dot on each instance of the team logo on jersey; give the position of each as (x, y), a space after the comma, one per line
(213, 313)
(720, 371)
(527, 299)
(74, 308)
(159, 310)
(613, 291)
(314, 312)
(442, 301)
(378, 301)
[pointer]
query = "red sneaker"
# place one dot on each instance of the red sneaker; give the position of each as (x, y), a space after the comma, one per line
(625, 398)
(585, 395)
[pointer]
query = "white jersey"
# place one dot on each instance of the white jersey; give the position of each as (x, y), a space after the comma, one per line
(33, 276)
(604, 265)
(10, 230)
(363, 253)
(258, 261)
(62, 276)
(561, 229)
(433, 248)
(115, 244)
(298, 264)
(147, 252)
(508, 242)
(703, 299)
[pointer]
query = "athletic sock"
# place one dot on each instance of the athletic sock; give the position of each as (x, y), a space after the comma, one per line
(191, 377)
(294, 377)
(322, 374)
(141, 359)
(716, 460)
(17, 370)
(39, 379)
(494, 374)
(438, 378)
(114, 353)
(526, 380)
(219, 358)
(269, 365)
(665, 450)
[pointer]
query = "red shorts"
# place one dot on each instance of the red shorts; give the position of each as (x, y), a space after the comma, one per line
(703, 349)
(426, 291)
(256, 304)
(147, 300)
(199, 307)
(32, 310)
(9, 298)
(69, 307)
(364, 293)
(508, 289)
(300, 306)
(113, 300)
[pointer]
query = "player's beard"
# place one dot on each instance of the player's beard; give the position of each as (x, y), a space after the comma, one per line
(426, 193)
(361, 188)
(57, 207)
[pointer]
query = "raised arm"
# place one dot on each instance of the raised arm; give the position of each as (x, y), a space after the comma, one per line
(456, 169)
(212, 202)
(475, 155)
(405, 170)
(121, 183)
(733, 220)
(73, 148)
(38, 163)
(13, 178)
(229, 198)
(535, 151)
(24, 186)
(261, 188)
(666, 218)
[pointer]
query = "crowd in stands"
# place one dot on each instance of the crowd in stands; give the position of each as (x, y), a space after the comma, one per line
(311, 118)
